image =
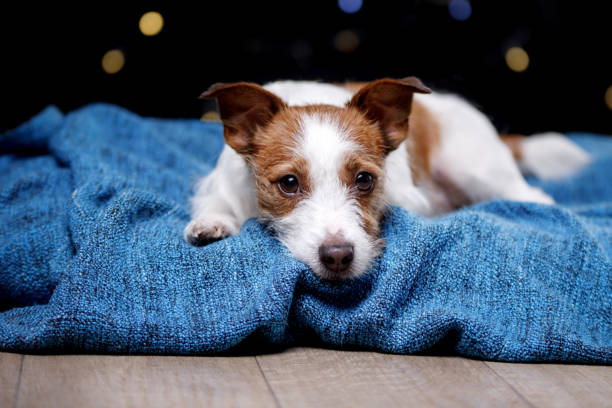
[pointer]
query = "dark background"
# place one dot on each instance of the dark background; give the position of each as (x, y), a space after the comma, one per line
(52, 55)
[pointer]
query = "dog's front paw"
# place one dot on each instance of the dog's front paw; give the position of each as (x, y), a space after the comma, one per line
(203, 231)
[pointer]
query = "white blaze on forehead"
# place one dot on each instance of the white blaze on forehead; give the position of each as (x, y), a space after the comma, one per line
(324, 145)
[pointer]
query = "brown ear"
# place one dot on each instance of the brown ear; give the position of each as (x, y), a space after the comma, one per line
(244, 107)
(388, 103)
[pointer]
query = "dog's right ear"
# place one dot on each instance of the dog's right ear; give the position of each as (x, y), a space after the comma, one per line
(244, 107)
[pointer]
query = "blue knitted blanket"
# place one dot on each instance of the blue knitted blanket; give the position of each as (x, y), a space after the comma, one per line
(92, 259)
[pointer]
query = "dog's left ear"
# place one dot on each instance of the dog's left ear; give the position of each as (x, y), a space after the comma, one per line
(388, 103)
(244, 107)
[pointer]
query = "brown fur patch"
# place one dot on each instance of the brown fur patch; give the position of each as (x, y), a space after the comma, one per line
(272, 157)
(371, 204)
(423, 140)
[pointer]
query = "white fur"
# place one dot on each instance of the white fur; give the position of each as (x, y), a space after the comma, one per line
(471, 158)
(400, 189)
(301, 93)
(552, 156)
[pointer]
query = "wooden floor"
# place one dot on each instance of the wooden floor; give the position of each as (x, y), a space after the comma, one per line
(299, 377)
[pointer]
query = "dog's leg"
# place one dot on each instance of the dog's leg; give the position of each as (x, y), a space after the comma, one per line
(224, 200)
(487, 181)
(474, 164)
(471, 164)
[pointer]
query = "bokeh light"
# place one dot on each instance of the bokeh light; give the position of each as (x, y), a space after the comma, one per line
(460, 10)
(151, 23)
(350, 6)
(608, 97)
(301, 50)
(113, 61)
(517, 59)
(346, 41)
(211, 116)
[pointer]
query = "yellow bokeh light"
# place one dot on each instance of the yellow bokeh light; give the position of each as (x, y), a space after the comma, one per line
(608, 97)
(211, 116)
(517, 59)
(151, 23)
(346, 41)
(113, 61)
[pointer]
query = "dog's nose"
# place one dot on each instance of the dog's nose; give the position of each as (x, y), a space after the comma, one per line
(336, 256)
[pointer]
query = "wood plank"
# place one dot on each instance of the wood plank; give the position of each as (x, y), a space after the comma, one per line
(325, 378)
(558, 385)
(297, 377)
(10, 368)
(151, 381)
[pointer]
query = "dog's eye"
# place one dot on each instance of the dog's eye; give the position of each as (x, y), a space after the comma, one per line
(288, 184)
(364, 182)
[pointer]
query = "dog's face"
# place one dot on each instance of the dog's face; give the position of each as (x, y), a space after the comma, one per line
(319, 169)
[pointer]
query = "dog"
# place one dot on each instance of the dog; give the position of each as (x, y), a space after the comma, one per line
(321, 163)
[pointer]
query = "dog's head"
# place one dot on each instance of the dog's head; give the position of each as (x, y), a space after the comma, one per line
(319, 169)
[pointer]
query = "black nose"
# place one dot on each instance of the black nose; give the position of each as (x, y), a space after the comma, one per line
(336, 257)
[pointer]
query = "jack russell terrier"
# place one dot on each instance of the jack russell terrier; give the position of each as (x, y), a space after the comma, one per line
(320, 164)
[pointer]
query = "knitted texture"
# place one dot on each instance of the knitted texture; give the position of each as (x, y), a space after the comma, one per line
(92, 258)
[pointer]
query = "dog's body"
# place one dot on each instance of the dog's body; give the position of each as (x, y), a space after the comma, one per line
(320, 163)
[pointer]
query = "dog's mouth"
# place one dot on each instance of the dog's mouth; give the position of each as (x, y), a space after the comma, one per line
(339, 275)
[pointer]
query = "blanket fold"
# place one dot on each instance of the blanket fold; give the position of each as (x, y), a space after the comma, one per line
(92, 208)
